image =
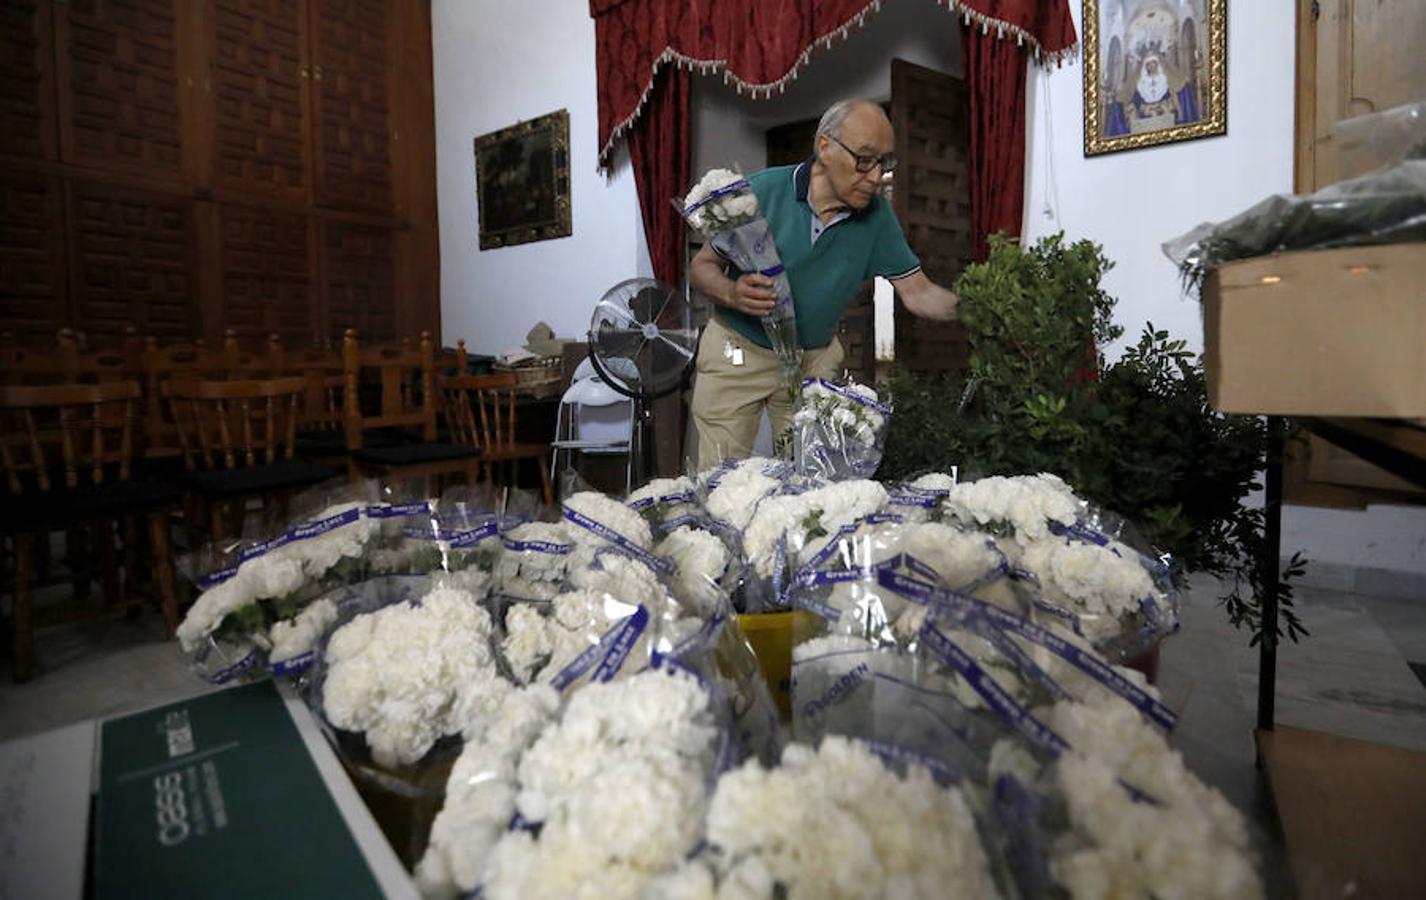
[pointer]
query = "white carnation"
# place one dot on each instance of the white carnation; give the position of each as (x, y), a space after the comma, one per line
(610, 513)
(480, 795)
(701, 559)
(528, 642)
(618, 787)
(807, 521)
(293, 637)
(407, 675)
(739, 490)
(1027, 503)
(834, 822)
(1092, 581)
(621, 577)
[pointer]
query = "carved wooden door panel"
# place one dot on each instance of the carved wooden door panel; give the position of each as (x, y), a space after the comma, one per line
(32, 275)
(931, 196)
(265, 261)
(349, 81)
(27, 115)
(260, 99)
(131, 262)
(117, 74)
(359, 280)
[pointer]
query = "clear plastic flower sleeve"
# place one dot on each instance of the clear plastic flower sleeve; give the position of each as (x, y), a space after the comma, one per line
(724, 210)
(839, 429)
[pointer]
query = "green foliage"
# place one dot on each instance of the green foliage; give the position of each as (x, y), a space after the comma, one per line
(1136, 437)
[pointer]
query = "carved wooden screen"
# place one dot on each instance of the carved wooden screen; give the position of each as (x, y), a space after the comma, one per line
(350, 79)
(932, 199)
(260, 96)
(358, 280)
(27, 79)
(117, 68)
(187, 167)
(132, 260)
(265, 263)
(32, 277)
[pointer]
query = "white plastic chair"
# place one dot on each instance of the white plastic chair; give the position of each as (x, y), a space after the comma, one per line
(593, 418)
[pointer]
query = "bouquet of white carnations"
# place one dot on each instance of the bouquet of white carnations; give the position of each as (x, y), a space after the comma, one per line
(723, 208)
(838, 430)
(835, 822)
(1067, 558)
(253, 606)
(612, 797)
(794, 526)
(1117, 813)
(408, 668)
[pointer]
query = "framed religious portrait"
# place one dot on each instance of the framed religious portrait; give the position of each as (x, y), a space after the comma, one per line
(522, 182)
(1155, 71)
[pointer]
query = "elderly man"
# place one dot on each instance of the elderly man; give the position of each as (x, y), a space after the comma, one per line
(834, 230)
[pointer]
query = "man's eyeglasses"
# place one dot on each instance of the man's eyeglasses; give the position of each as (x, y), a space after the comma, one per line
(865, 164)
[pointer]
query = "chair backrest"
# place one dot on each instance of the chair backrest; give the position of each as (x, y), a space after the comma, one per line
(480, 409)
(453, 360)
(230, 424)
(323, 400)
(64, 432)
(406, 376)
(68, 361)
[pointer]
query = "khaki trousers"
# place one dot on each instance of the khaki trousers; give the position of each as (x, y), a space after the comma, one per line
(728, 399)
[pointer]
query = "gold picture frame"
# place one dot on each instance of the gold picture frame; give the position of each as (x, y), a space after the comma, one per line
(522, 182)
(1154, 73)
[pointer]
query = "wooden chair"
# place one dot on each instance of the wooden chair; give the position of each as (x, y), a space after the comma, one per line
(163, 367)
(67, 452)
(321, 418)
(237, 439)
(68, 361)
(404, 377)
(481, 412)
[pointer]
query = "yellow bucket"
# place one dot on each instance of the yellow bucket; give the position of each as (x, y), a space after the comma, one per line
(771, 636)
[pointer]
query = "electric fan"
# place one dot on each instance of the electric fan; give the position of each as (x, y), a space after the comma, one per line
(641, 342)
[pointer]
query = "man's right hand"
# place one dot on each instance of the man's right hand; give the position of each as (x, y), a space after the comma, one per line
(752, 294)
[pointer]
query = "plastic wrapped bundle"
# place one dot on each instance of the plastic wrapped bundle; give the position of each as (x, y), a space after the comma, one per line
(1118, 814)
(723, 208)
(839, 430)
(835, 822)
(254, 592)
(614, 794)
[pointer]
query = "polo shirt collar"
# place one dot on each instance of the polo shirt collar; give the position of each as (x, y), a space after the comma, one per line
(802, 187)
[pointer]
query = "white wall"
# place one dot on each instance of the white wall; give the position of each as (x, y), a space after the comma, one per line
(1133, 201)
(497, 62)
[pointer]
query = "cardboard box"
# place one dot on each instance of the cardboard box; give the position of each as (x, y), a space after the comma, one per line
(1319, 332)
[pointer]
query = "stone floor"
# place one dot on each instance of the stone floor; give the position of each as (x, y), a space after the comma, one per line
(1353, 676)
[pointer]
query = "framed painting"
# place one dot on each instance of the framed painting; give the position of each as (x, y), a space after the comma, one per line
(522, 182)
(1155, 72)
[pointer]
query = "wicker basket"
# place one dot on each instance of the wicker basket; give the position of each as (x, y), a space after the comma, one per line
(536, 377)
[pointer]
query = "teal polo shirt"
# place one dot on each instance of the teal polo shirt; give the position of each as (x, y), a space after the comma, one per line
(827, 270)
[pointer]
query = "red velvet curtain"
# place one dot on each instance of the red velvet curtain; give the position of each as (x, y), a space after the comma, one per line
(995, 81)
(760, 46)
(660, 156)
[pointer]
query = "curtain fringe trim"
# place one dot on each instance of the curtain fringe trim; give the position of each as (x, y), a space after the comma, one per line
(825, 42)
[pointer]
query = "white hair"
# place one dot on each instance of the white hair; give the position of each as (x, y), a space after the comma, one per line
(831, 122)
